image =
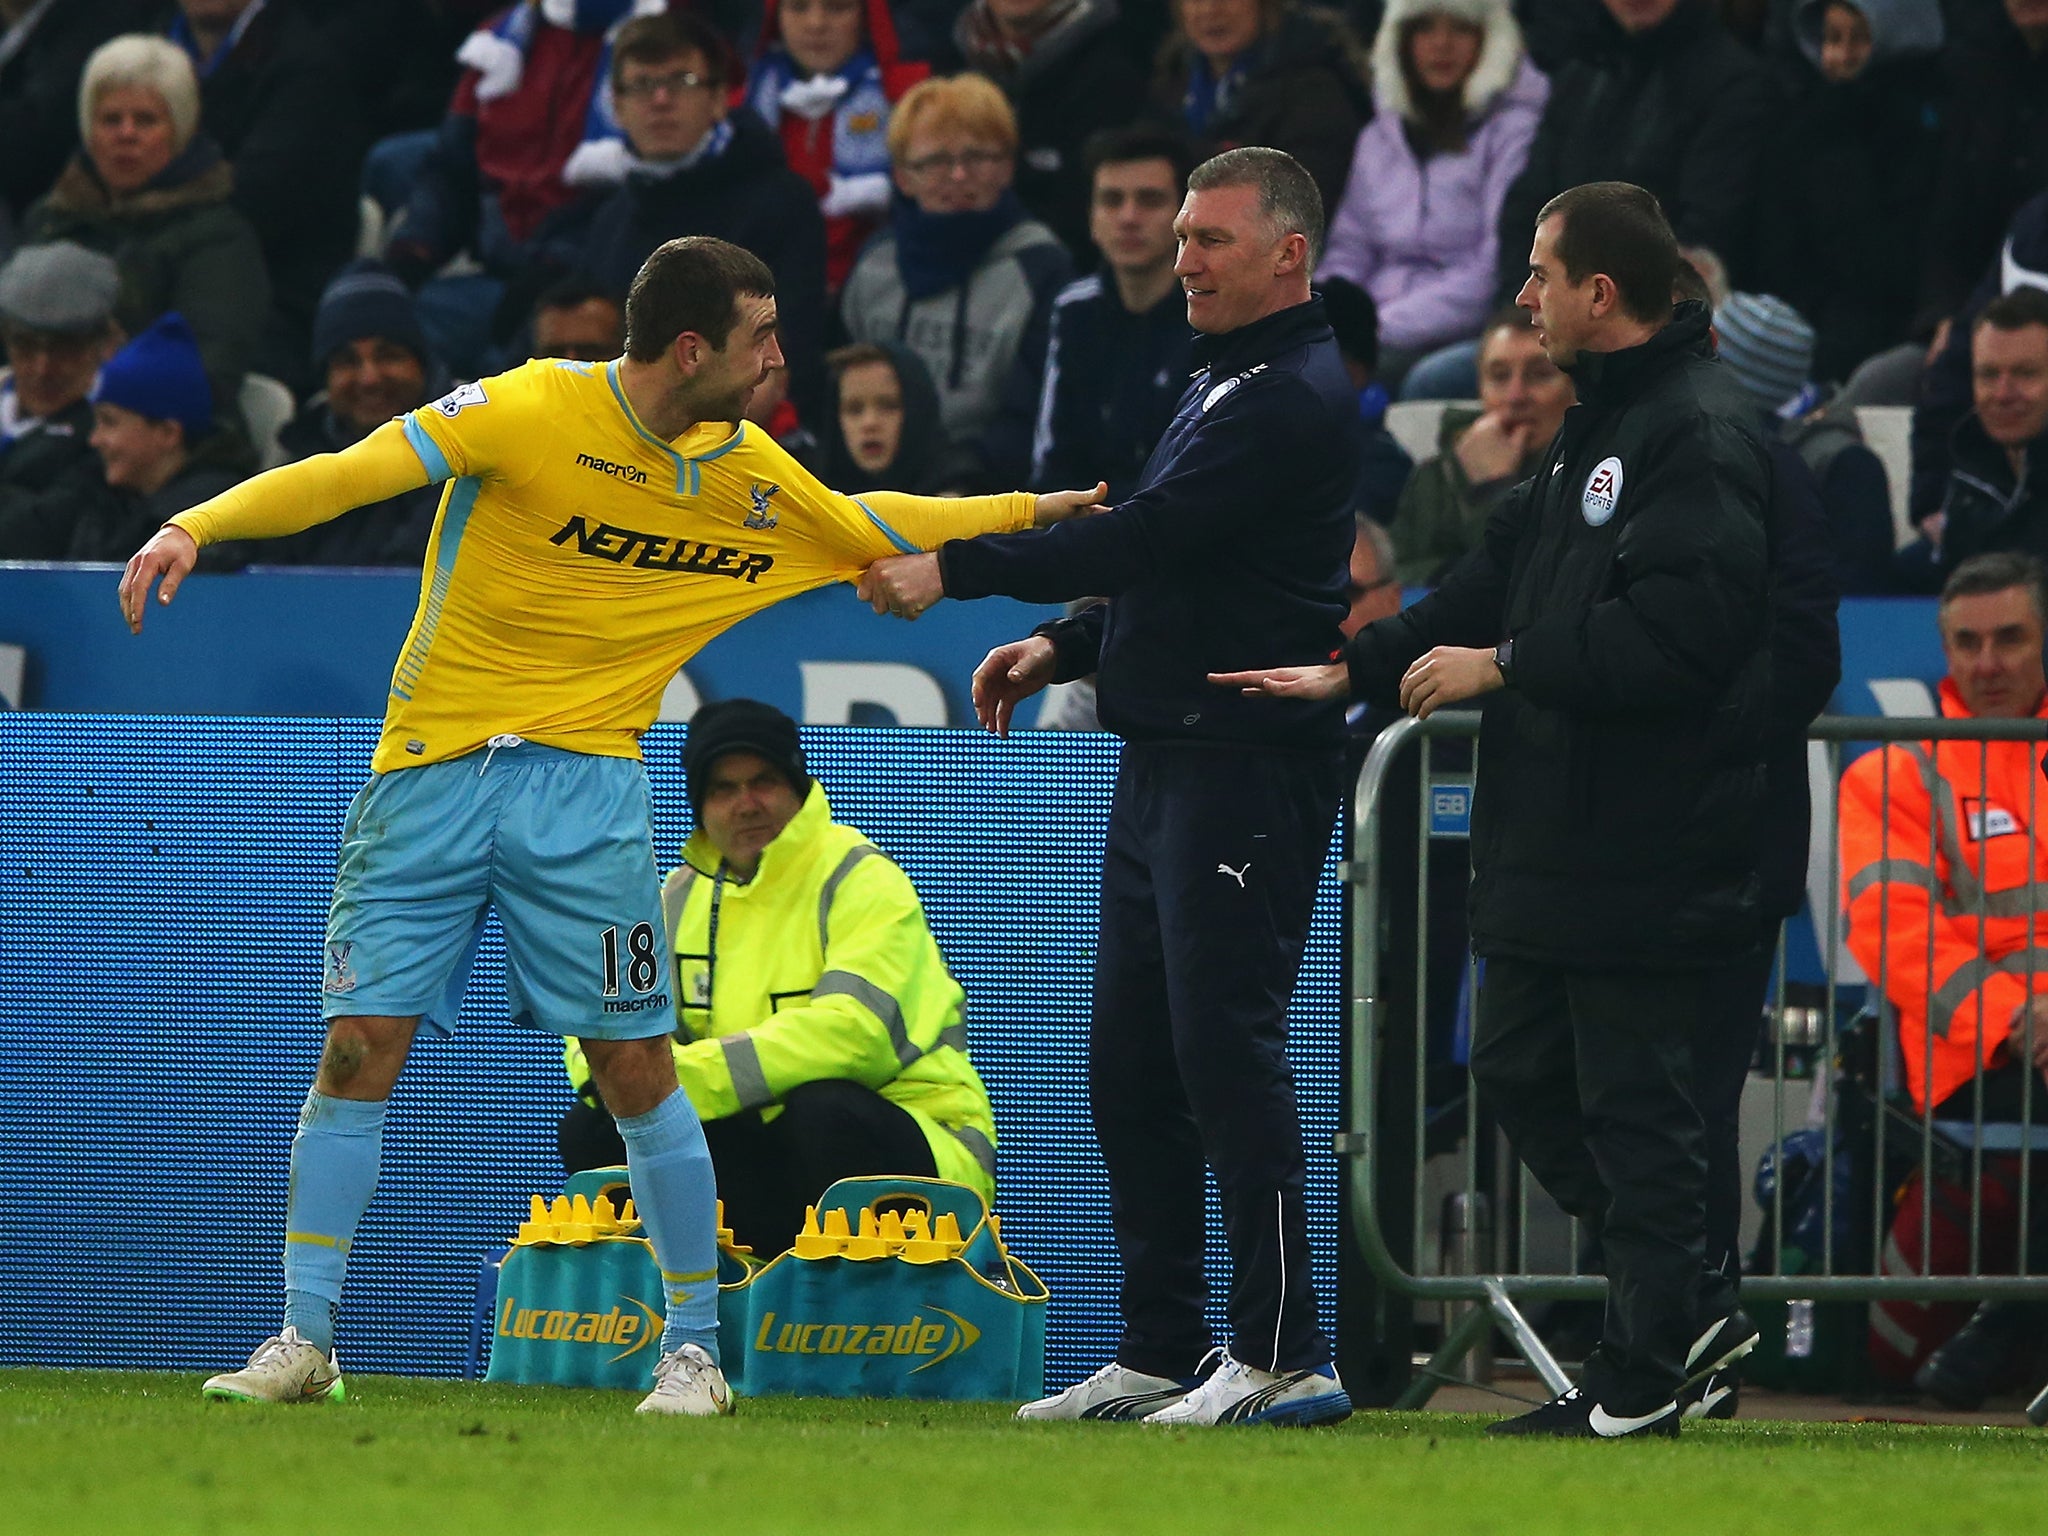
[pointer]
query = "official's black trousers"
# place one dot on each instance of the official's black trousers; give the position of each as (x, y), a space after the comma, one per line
(1590, 1073)
(1729, 1026)
(769, 1171)
(1208, 881)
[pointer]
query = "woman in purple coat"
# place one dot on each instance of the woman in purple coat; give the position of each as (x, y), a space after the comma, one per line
(1456, 102)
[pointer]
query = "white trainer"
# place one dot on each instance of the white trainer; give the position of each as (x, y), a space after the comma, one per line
(284, 1369)
(688, 1381)
(1236, 1393)
(1114, 1392)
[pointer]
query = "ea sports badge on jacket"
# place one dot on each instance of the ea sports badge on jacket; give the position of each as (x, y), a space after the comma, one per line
(1602, 493)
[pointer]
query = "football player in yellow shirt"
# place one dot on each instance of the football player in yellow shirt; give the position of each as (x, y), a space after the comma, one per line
(601, 523)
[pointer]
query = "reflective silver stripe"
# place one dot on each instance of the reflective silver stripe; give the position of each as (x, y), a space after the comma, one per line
(749, 1082)
(1891, 872)
(831, 887)
(1966, 896)
(877, 1002)
(983, 1149)
(954, 1035)
(675, 894)
(1953, 995)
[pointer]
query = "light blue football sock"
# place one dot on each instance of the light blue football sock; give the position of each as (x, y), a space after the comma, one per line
(677, 1198)
(334, 1173)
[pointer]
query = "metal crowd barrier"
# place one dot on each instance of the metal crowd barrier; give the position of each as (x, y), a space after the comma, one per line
(1499, 1283)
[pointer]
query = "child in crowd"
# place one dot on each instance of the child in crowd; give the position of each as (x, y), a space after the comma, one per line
(825, 79)
(153, 428)
(883, 431)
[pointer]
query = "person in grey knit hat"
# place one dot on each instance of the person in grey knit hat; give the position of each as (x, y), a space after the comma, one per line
(56, 321)
(1767, 344)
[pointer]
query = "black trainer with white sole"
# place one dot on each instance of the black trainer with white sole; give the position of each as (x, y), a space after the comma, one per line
(1720, 1345)
(1715, 1395)
(1576, 1416)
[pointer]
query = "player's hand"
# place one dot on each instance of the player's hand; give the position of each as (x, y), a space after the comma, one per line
(1058, 506)
(904, 585)
(1329, 681)
(1007, 676)
(170, 553)
(1449, 674)
(1492, 450)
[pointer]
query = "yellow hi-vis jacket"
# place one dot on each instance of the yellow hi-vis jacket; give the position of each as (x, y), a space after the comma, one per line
(824, 967)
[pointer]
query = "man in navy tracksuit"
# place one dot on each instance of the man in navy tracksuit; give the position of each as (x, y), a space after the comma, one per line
(1233, 550)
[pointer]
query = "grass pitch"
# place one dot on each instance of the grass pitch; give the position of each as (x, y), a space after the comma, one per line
(93, 1451)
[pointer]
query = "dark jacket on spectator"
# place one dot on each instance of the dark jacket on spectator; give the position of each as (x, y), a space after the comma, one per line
(1620, 778)
(39, 89)
(1074, 81)
(1112, 380)
(1996, 152)
(47, 476)
(1442, 515)
(1855, 496)
(1945, 386)
(1230, 554)
(748, 195)
(1682, 109)
(117, 523)
(390, 532)
(1842, 221)
(1383, 464)
(287, 119)
(1302, 89)
(925, 464)
(179, 244)
(1988, 509)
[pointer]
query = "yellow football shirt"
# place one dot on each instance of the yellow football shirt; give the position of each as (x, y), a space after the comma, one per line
(578, 560)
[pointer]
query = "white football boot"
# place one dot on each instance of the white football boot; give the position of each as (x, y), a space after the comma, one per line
(688, 1381)
(284, 1369)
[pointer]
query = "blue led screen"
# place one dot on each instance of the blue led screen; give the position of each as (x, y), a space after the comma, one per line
(163, 886)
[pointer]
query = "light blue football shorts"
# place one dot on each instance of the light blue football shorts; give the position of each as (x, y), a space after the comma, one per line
(560, 843)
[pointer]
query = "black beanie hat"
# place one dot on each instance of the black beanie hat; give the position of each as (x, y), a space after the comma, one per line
(742, 725)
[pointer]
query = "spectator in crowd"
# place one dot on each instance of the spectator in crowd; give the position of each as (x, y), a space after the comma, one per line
(579, 321)
(154, 431)
(1268, 72)
(882, 432)
(286, 116)
(1995, 154)
(57, 322)
(961, 276)
(1998, 486)
(1456, 103)
(1374, 589)
(152, 191)
(1483, 453)
(826, 77)
(1667, 100)
(43, 48)
(695, 169)
(1383, 464)
(820, 1036)
(1939, 909)
(1120, 350)
(528, 100)
(1941, 398)
(1769, 347)
(1842, 218)
(1066, 72)
(370, 350)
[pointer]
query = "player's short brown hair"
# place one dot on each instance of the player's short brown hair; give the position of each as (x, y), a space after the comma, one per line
(691, 284)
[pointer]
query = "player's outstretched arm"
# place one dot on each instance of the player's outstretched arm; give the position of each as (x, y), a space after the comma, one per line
(1058, 506)
(279, 501)
(906, 585)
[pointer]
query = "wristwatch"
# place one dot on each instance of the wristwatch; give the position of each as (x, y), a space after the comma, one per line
(1504, 662)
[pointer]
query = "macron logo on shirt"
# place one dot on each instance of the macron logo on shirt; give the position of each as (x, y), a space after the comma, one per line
(629, 473)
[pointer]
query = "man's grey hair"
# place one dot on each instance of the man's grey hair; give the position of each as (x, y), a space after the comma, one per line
(1288, 198)
(1999, 571)
(1371, 533)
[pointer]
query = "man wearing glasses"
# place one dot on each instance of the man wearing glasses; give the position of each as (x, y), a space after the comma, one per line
(692, 169)
(960, 276)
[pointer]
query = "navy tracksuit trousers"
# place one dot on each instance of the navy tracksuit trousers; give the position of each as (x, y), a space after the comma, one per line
(1208, 881)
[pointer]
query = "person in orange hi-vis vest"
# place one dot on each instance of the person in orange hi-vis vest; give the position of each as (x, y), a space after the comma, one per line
(1971, 893)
